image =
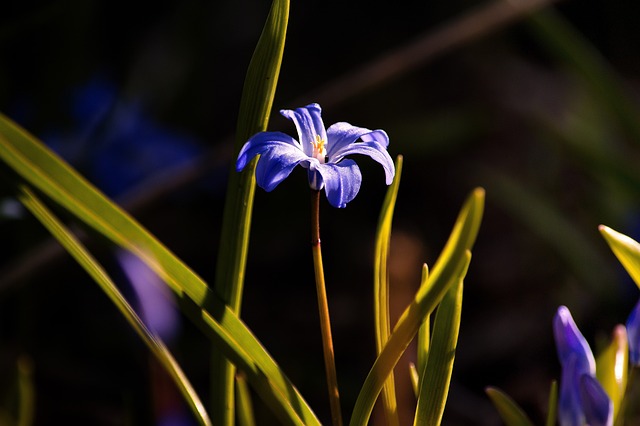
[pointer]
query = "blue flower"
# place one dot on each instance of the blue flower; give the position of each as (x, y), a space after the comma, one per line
(582, 398)
(633, 333)
(320, 151)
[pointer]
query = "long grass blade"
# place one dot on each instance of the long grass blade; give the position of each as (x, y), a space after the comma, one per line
(381, 290)
(434, 386)
(26, 392)
(612, 365)
(244, 404)
(42, 169)
(552, 406)
(255, 108)
(510, 412)
(450, 267)
(95, 270)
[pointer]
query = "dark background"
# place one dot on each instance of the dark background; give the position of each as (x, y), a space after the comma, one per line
(133, 93)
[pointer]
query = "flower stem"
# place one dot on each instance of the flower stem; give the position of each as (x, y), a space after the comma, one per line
(325, 322)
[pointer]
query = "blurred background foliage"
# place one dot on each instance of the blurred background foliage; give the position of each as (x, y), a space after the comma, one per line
(142, 99)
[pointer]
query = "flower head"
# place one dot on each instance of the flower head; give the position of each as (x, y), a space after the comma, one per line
(582, 399)
(321, 151)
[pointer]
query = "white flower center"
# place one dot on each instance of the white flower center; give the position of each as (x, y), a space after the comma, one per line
(319, 150)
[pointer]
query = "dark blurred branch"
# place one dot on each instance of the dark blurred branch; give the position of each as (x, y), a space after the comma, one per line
(471, 27)
(476, 24)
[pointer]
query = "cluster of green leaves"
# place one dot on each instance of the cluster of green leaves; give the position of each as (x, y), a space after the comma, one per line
(44, 183)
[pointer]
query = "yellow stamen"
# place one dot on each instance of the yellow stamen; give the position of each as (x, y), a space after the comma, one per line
(319, 150)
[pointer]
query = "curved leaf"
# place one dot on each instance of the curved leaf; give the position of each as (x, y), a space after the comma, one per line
(381, 289)
(626, 249)
(612, 367)
(434, 386)
(510, 412)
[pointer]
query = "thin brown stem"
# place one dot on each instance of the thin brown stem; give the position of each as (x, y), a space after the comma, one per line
(323, 307)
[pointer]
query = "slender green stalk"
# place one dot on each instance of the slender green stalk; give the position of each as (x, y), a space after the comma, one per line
(255, 108)
(323, 306)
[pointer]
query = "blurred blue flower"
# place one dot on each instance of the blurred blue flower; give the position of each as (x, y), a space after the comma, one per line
(154, 300)
(115, 142)
(582, 399)
(320, 151)
(633, 334)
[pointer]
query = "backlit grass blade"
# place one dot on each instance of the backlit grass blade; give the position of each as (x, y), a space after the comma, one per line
(552, 406)
(510, 412)
(626, 249)
(255, 107)
(244, 406)
(436, 377)
(424, 333)
(612, 367)
(42, 169)
(95, 270)
(449, 268)
(26, 393)
(381, 290)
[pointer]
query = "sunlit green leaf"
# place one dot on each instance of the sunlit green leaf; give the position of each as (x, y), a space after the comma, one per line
(612, 367)
(244, 406)
(255, 107)
(448, 270)
(100, 276)
(26, 392)
(381, 290)
(552, 406)
(436, 377)
(626, 249)
(510, 412)
(424, 333)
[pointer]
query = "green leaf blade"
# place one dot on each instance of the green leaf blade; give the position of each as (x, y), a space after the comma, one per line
(436, 377)
(626, 249)
(381, 290)
(509, 411)
(255, 108)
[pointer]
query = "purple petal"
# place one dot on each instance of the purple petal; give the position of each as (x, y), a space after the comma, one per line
(156, 308)
(341, 181)
(633, 335)
(309, 124)
(340, 135)
(279, 154)
(570, 411)
(569, 342)
(598, 408)
(342, 142)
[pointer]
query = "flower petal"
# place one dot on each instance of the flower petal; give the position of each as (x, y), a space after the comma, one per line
(342, 134)
(341, 181)
(633, 335)
(570, 341)
(279, 154)
(342, 141)
(570, 412)
(309, 124)
(596, 404)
